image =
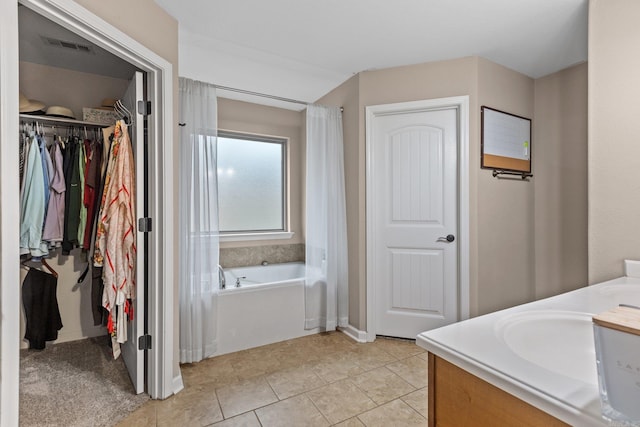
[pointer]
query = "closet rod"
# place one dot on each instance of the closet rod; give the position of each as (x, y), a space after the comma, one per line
(264, 95)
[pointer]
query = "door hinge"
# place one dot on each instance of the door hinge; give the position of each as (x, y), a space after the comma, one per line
(144, 342)
(144, 108)
(144, 225)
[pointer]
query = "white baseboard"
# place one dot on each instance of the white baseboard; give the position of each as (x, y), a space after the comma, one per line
(178, 385)
(353, 333)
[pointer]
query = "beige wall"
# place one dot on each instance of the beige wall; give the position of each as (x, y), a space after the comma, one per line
(505, 226)
(426, 81)
(502, 214)
(259, 119)
(496, 234)
(560, 170)
(614, 136)
(410, 83)
(151, 26)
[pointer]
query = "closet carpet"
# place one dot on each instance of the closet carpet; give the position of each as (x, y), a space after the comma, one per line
(75, 384)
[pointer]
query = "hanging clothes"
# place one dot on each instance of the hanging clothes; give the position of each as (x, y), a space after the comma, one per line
(82, 212)
(32, 203)
(47, 169)
(100, 314)
(24, 152)
(91, 188)
(54, 221)
(72, 196)
(115, 239)
(40, 308)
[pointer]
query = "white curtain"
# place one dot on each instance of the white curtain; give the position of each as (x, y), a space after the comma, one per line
(198, 220)
(326, 287)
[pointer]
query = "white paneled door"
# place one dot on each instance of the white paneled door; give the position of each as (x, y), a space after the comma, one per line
(413, 210)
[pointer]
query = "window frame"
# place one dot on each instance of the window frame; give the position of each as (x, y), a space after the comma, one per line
(268, 234)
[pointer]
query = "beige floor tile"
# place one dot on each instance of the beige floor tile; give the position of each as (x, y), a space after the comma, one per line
(418, 400)
(144, 416)
(340, 400)
(370, 357)
(217, 370)
(194, 406)
(335, 341)
(338, 366)
(424, 355)
(413, 370)
(293, 381)
(305, 352)
(395, 413)
(294, 366)
(248, 419)
(399, 349)
(351, 422)
(244, 396)
(382, 385)
(293, 412)
(255, 365)
(320, 345)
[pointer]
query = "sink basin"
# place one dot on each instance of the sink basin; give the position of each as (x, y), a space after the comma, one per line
(558, 341)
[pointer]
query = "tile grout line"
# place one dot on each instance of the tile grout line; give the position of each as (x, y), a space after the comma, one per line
(397, 356)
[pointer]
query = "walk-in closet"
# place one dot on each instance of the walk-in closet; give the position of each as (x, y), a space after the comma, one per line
(82, 248)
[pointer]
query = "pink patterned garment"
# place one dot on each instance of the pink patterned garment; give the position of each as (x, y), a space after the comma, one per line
(116, 234)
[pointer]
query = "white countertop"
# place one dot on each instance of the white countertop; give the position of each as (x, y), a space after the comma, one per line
(488, 346)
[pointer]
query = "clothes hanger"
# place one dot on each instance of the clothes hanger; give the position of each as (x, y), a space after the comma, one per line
(60, 141)
(44, 263)
(22, 264)
(48, 267)
(123, 111)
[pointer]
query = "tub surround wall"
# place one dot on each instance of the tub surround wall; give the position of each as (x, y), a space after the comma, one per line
(255, 255)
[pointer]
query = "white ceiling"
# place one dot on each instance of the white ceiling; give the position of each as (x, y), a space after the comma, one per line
(36, 33)
(302, 49)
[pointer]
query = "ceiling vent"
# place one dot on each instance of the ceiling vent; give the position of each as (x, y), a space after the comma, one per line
(49, 41)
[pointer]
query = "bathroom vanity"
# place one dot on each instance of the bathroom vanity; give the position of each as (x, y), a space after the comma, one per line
(529, 365)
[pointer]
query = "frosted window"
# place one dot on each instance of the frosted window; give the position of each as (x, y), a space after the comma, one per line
(251, 183)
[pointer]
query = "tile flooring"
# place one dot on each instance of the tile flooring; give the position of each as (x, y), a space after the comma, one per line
(318, 380)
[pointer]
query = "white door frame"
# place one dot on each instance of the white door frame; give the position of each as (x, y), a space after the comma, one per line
(161, 381)
(461, 103)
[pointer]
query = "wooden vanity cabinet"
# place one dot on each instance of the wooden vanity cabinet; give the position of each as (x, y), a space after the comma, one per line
(458, 399)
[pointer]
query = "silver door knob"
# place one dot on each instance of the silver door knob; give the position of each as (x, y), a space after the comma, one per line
(450, 238)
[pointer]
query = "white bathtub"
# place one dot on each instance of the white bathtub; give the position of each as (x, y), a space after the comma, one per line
(259, 275)
(268, 306)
